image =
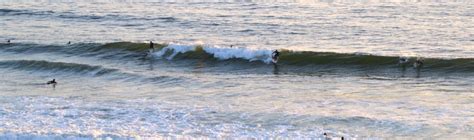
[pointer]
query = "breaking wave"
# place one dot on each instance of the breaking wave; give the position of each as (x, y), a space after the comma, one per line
(215, 54)
(305, 58)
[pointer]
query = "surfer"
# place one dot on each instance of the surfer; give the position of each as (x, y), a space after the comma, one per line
(275, 56)
(8, 41)
(52, 82)
(69, 42)
(231, 46)
(418, 63)
(402, 60)
(152, 47)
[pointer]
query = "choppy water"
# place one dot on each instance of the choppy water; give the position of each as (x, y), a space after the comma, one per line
(338, 72)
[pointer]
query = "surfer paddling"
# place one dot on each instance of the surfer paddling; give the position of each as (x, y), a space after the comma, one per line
(403, 60)
(8, 41)
(53, 82)
(275, 56)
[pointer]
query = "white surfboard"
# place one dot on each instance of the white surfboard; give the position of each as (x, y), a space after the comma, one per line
(274, 60)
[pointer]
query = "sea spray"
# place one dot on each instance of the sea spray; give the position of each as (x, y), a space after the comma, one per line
(219, 52)
(251, 54)
(170, 51)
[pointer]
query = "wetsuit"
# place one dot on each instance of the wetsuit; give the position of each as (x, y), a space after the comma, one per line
(275, 54)
(51, 82)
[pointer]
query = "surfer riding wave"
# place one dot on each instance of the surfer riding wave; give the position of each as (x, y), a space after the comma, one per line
(275, 56)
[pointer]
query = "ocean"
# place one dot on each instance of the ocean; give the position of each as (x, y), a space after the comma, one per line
(211, 76)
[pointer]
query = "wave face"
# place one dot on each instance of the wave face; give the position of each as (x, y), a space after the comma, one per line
(59, 67)
(306, 58)
(15, 12)
(220, 53)
(216, 54)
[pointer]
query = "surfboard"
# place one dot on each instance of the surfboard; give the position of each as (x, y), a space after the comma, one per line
(274, 60)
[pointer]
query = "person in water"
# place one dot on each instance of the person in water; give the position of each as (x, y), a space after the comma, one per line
(418, 63)
(402, 60)
(8, 41)
(152, 47)
(275, 56)
(52, 82)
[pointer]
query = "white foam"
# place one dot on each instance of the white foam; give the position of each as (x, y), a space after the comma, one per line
(175, 49)
(249, 53)
(219, 52)
(40, 117)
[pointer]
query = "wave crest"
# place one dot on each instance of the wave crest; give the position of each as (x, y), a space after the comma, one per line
(56, 67)
(213, 53)
(218, 52)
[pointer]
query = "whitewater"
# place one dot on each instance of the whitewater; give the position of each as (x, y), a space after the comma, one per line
(210, 73)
